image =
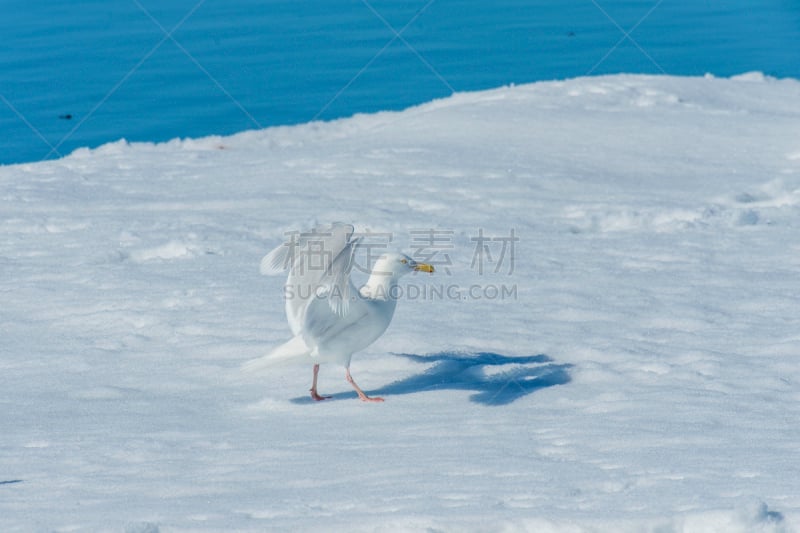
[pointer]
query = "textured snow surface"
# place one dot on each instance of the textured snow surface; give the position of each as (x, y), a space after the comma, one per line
(636, 370)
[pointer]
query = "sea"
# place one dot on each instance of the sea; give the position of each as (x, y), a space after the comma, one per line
(88, 72)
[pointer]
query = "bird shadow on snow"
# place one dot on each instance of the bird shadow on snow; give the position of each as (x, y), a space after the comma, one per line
(495, 379)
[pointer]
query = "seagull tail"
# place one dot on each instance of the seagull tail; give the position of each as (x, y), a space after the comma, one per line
(292, 350)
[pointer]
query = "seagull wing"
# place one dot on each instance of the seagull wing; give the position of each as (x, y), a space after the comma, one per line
(319, 264)
(277, 261)
(335, 285)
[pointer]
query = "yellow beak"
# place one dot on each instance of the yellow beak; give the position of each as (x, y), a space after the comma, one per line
(424, 267)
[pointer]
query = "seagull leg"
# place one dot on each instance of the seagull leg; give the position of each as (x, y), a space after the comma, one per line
(364, 397)
(314, 393)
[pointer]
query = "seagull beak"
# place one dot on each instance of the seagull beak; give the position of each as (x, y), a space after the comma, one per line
(424, 267)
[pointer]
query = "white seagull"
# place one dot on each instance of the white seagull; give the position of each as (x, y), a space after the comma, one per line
(329, 317)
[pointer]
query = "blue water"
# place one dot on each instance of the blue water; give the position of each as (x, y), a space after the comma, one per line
(84, 73)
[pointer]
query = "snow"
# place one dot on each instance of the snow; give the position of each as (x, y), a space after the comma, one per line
(634, 368)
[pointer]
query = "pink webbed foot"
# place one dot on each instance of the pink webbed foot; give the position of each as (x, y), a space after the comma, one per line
(364, 397)
(314, 394)
(316, 397)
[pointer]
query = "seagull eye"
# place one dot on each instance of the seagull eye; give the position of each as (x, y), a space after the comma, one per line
(404, 261)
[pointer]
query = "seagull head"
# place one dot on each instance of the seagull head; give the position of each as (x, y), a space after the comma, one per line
(397, 265)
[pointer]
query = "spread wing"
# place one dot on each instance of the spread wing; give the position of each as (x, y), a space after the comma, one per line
(319, 264)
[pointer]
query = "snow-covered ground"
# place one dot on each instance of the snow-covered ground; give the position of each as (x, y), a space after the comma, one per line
(633, 367)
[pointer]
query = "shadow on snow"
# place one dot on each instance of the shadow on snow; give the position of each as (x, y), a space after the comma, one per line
(496, 379)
